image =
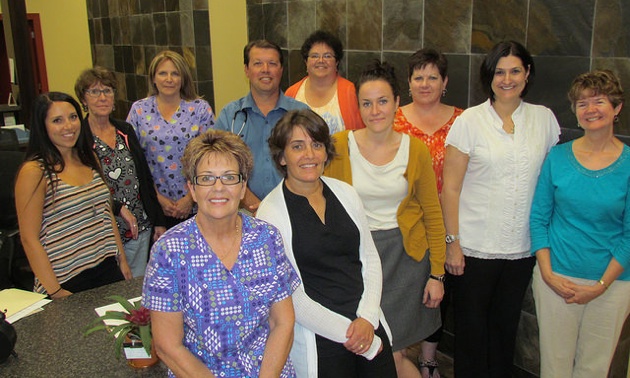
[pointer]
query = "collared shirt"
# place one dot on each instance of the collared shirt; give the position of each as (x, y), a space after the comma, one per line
(243, 117)
(501, 176)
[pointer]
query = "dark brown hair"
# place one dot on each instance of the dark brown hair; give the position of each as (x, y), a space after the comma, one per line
(311, 122)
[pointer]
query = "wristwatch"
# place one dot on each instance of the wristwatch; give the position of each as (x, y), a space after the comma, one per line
(440, 278)
(451, 238)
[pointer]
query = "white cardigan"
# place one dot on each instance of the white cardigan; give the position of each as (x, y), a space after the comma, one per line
(311, 317)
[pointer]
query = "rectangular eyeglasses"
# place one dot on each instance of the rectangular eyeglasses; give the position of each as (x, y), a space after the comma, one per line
(210, 180)
(95, 92)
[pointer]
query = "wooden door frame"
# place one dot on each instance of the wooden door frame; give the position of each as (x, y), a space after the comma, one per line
(39, 59)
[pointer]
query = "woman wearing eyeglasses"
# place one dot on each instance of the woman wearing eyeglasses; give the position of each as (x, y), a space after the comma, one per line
(219, 284)
(165, 121)
(138, 212)
(323, 90)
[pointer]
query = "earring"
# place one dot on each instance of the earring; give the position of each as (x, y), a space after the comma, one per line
(85, 108)
(113, 107)
(616, 119)
(444, 92)
(410, 92)
(579, 126)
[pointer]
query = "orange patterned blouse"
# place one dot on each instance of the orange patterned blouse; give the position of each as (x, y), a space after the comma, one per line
(435, 142)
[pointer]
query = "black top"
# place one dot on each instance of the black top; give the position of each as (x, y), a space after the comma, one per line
(327, 255)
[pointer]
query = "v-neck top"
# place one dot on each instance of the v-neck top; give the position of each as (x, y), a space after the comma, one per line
(327, 254)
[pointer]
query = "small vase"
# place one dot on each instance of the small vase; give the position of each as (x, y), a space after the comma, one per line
(140, 363)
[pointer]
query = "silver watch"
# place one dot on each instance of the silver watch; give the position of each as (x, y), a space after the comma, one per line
(451, 238)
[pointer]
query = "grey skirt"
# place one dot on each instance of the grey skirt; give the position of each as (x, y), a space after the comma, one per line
(404, 280)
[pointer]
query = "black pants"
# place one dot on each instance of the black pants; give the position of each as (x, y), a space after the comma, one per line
(103, 274)
(487, 302)
(335, 361)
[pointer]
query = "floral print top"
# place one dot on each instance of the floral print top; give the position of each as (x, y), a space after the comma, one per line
(164, 141)
(435, 141)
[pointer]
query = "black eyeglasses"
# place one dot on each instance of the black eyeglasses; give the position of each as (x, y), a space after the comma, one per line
(95, 92)
(209, 180)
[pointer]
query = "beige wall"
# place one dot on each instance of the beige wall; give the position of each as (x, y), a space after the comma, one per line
(67, 44)
(66, 40)
(228, 33)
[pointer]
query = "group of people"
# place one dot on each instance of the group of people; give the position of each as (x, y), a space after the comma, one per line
(311, 233)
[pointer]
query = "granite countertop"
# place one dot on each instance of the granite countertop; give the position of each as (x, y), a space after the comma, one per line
(51, 343)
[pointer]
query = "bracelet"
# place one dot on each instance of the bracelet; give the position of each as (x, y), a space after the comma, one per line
(58, 290)
(601, 282)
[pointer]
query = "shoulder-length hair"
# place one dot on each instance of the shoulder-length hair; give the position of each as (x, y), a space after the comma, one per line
(500, 50)
(313, 125)
(187, 90)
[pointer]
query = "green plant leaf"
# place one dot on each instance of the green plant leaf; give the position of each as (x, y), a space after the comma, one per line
(147, 338)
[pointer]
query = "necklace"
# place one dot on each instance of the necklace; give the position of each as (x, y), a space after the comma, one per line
(508, 126)
(234, 244)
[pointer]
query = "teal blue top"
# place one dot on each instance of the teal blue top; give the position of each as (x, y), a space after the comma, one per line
(583, 216)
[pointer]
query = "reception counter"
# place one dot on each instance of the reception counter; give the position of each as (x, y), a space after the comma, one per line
(51, 343)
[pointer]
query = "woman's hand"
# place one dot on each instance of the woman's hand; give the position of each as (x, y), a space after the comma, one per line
(455, 260)
(560, 285)
(586, 293)
(158, 231)
(168, 205)
(130, 219)
(360, 334)
(124, 269)
(183, 207)
(433, 293)
(61, 294)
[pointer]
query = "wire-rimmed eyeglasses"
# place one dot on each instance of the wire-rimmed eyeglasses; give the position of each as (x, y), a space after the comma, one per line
(95, 92)
(325, 56)
(210, 180)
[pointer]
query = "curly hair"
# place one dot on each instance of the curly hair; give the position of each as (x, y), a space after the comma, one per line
(92, 76)
(598, 82)
(321, 36)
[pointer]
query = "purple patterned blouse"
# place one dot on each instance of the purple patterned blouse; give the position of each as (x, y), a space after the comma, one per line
(164, 141)
(226, 312)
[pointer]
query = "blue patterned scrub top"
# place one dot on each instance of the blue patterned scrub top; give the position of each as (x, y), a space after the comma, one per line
(226, 312)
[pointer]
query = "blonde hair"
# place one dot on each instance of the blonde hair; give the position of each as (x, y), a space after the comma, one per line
(187, 90)
(219, 141)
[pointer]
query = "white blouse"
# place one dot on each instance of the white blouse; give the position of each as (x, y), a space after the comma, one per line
(501, 176)
(381, 187)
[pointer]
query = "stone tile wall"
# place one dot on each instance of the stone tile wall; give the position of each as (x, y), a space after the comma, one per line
(125, 35)
(566, 37)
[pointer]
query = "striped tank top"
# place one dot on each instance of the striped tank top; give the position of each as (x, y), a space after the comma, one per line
(77, 231)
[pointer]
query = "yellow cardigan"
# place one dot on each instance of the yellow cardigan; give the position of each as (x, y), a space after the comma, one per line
(419, 214)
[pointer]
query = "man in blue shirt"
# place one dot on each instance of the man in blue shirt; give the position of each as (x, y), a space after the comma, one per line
(254, 116)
